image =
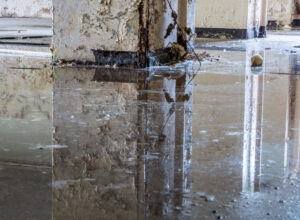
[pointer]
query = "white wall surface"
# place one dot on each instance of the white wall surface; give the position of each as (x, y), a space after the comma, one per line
(231, 14)
(26, 8)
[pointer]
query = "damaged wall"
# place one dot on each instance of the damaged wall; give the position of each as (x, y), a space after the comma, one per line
(84, 29)
(26, 8)
(80, 26)
(280, 11)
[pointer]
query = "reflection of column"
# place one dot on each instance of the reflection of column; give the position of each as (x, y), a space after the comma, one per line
(254, 95)
(292, 139)
(95, 128)
(160, 144)
(125, 144)
(183, 143)
(166, 144)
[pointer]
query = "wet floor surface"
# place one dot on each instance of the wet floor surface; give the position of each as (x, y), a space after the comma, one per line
(79, 143)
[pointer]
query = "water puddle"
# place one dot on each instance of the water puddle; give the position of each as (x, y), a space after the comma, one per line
(136, 144)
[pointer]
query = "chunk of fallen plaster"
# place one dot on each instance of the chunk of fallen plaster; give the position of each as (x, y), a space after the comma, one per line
(257, 60)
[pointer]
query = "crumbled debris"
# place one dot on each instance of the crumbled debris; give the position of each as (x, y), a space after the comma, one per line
(201, 55)
(170, 28)
(168, 97)
(221, 36)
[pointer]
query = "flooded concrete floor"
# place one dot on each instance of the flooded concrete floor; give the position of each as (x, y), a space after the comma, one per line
(78, 143)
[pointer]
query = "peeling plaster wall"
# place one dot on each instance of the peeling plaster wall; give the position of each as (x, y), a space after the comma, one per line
(231, 14)
(82, 25)
(280, 11)
(26, 8)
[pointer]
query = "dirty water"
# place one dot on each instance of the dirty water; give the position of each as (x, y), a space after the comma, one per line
(102, 143)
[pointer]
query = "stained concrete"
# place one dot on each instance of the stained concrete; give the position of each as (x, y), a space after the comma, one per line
(139, 26)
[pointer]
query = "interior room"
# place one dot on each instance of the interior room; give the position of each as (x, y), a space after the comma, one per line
(149, 109)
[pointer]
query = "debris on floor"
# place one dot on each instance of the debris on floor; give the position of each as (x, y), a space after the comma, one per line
(257, 60)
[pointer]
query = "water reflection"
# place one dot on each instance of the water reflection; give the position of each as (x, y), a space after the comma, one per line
(253, 125)
(292, 134)
(144, 145)
(129, 143)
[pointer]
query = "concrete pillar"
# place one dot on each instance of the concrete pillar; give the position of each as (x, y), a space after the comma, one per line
(118, 32)
(230, 18)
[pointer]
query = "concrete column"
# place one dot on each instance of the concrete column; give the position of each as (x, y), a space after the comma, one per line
(118, 32)
(230, 18)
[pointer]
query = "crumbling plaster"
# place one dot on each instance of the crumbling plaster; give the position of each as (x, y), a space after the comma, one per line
(81, 26)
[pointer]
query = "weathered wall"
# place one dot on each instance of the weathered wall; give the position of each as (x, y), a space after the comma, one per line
(280, 11)
(230, 14)
(26, 8)
(82, 25)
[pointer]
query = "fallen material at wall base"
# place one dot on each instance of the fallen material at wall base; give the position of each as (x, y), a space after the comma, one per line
(121, 32)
